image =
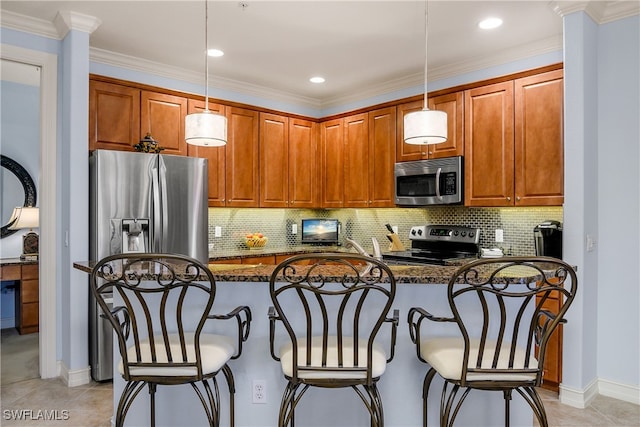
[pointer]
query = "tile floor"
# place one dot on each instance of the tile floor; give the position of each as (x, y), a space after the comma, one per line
(91, 406)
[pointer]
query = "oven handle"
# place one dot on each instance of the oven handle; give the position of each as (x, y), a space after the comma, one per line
(438, 184)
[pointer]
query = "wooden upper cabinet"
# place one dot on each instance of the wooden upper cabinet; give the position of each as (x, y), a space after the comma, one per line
(453, 105)
(304, 182)
(539, 151)
(408, 152)
(488, 130)
(163, 116)
(382, 157)
(242, 178)
(114, 116)
(274, 160)
(332, 163)
(215, 156)
(356, 161)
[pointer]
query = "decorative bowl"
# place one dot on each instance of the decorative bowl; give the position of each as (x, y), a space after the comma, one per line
(255, 241)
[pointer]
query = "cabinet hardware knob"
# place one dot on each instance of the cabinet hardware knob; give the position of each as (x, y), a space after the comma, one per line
(517, 198)
(430, 153)
(508, 199)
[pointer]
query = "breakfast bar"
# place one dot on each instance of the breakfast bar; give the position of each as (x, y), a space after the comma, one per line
(401, 386)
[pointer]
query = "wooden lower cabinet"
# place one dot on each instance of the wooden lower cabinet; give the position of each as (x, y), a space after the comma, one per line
(552, 371)
(27, 296)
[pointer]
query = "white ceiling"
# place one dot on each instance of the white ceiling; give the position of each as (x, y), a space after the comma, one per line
(358, 46)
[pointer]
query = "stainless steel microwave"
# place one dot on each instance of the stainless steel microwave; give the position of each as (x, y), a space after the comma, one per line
(429, 182)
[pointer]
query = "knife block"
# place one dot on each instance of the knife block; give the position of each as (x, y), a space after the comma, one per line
(396, 245)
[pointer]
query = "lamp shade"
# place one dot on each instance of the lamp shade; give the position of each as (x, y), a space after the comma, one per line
(206, 129)
(425, 127)
(24, 217)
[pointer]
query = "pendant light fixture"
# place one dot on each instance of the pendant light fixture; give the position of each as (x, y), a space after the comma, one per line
(206, 128)
(425, 126)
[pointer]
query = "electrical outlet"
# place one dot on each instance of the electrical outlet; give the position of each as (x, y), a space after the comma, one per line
(218, 231)
(499, 236)
(259, 391)
(294, 228)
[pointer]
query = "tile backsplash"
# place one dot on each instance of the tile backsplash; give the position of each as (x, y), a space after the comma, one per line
(363, 224)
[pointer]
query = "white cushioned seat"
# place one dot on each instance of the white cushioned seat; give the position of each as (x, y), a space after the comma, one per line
(286, 358)
(216, 350)
(445, 355)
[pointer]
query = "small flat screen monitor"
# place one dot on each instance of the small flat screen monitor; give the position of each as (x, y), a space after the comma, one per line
(319, 230)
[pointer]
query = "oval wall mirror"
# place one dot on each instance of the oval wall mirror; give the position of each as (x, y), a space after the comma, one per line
(18, 189)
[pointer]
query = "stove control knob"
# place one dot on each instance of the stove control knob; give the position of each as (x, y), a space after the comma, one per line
(419, 232)
(455, 233)
(471, 234)
(463, 233)
(413, 231)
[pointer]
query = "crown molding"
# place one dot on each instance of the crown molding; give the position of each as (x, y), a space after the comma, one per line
(28, 24)
(218, 83)
(601, 12)
(67, 20)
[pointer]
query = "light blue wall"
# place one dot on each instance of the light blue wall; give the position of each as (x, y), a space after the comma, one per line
(619, 185)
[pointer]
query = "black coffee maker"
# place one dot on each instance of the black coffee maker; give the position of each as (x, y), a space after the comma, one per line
(547, 237)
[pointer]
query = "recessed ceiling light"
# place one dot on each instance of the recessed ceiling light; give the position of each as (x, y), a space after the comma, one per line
(316, 79)
(490, 23)
(215, 52)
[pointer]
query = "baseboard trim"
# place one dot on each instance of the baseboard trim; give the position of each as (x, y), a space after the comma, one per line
(582, 398)
(576, 397)
(619, 391)
(74, 378)
(7, 322)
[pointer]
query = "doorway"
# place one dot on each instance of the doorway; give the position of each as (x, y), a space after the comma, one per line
(48, 260)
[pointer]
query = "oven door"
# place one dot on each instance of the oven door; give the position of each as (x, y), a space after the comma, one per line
(429, 182)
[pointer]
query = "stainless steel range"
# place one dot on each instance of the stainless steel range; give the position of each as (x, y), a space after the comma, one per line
(437, 244)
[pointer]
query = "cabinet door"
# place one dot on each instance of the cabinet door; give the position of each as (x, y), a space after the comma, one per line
(114, 116)
(408, 152)
(242, 158)
(488, 130)
(539, 151)
(332, 163)
(453, 105)
(274, 160)
(215, 156)
(552, 370)
(382, 156)
(356, 171)
(304, 185)
(163, 117)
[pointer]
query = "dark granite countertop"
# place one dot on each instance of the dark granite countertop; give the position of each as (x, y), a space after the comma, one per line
(275, 250)
(404, 274)
(17, 261)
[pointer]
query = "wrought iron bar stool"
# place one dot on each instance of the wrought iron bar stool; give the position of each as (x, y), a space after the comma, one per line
(500, 343)
(161, 328)
(332, 308)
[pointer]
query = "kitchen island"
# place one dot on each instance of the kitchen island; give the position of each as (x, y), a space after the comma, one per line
(400, 387)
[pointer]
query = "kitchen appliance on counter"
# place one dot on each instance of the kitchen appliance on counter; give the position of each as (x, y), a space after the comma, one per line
(437, 244)
(547, 238)
(429, 182)
(141, 202)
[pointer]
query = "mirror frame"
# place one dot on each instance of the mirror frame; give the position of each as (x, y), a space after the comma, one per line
(27, 184)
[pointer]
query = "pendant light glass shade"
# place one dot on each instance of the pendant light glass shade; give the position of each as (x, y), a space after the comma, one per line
(206, 129)
(425, 126)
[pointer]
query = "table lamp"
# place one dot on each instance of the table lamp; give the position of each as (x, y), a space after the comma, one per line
(22, 218)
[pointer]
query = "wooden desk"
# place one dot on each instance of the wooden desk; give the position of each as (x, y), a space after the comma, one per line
(27, 295)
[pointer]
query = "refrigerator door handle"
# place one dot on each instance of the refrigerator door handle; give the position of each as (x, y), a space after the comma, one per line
(163, 224)
(155, 196)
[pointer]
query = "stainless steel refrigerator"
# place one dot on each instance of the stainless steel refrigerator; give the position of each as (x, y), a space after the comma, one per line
(142, 202)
